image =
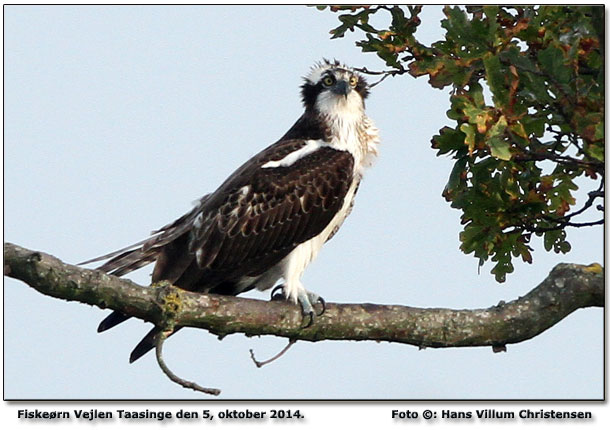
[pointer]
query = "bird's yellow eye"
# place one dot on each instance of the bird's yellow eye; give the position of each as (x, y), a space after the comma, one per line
(328, 81)
(353, 81)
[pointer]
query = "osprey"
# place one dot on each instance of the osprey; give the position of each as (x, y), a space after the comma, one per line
(270, 218)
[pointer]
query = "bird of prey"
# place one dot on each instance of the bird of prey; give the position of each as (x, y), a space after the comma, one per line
(270, 218)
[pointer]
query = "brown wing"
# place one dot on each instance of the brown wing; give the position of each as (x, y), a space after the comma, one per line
(262, 214)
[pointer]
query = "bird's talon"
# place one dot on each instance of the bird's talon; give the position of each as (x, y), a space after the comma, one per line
(278, 296)
(311, 318)
(323, 303)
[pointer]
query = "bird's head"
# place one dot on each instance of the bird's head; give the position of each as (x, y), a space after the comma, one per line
(331, 87)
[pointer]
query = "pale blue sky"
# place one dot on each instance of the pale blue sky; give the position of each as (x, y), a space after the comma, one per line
(116, 118)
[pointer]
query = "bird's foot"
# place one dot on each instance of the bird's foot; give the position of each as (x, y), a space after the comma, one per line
(306, 299)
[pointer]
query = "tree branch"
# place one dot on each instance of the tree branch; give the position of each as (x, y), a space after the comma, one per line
(567, 288)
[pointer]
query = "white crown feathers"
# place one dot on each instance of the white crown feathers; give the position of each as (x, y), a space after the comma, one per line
(318, 69)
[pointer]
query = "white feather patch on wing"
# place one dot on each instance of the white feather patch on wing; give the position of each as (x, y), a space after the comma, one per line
(198, 223)
(293, 157)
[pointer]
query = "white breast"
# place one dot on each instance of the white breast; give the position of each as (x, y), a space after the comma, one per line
(350, 129)
(294, 264)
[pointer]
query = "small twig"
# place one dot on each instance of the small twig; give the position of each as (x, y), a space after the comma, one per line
(260, 364)
(531, 156)
(385, 74)
(560, 226)
(585, 224)
(171, 375)
(371, 72)
(379, 81)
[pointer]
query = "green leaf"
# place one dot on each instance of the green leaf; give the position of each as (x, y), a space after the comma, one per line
(599, 131)
(552, 62)
(501, 269)
(455, 178)
(564, 247)
(476, 92)
(499, 147)
(478, 117)
(497, 130)
(469, 131)
(549, 239)
(495, 74)
(491, 12)
(596, 151)
(448, 140)
(398, 18)
(534, 125)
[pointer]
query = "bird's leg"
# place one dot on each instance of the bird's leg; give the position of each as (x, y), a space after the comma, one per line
(306, 300)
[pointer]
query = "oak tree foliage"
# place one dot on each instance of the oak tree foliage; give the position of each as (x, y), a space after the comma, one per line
(527, 102)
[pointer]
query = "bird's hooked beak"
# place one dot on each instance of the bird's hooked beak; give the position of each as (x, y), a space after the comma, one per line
(341, 88)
